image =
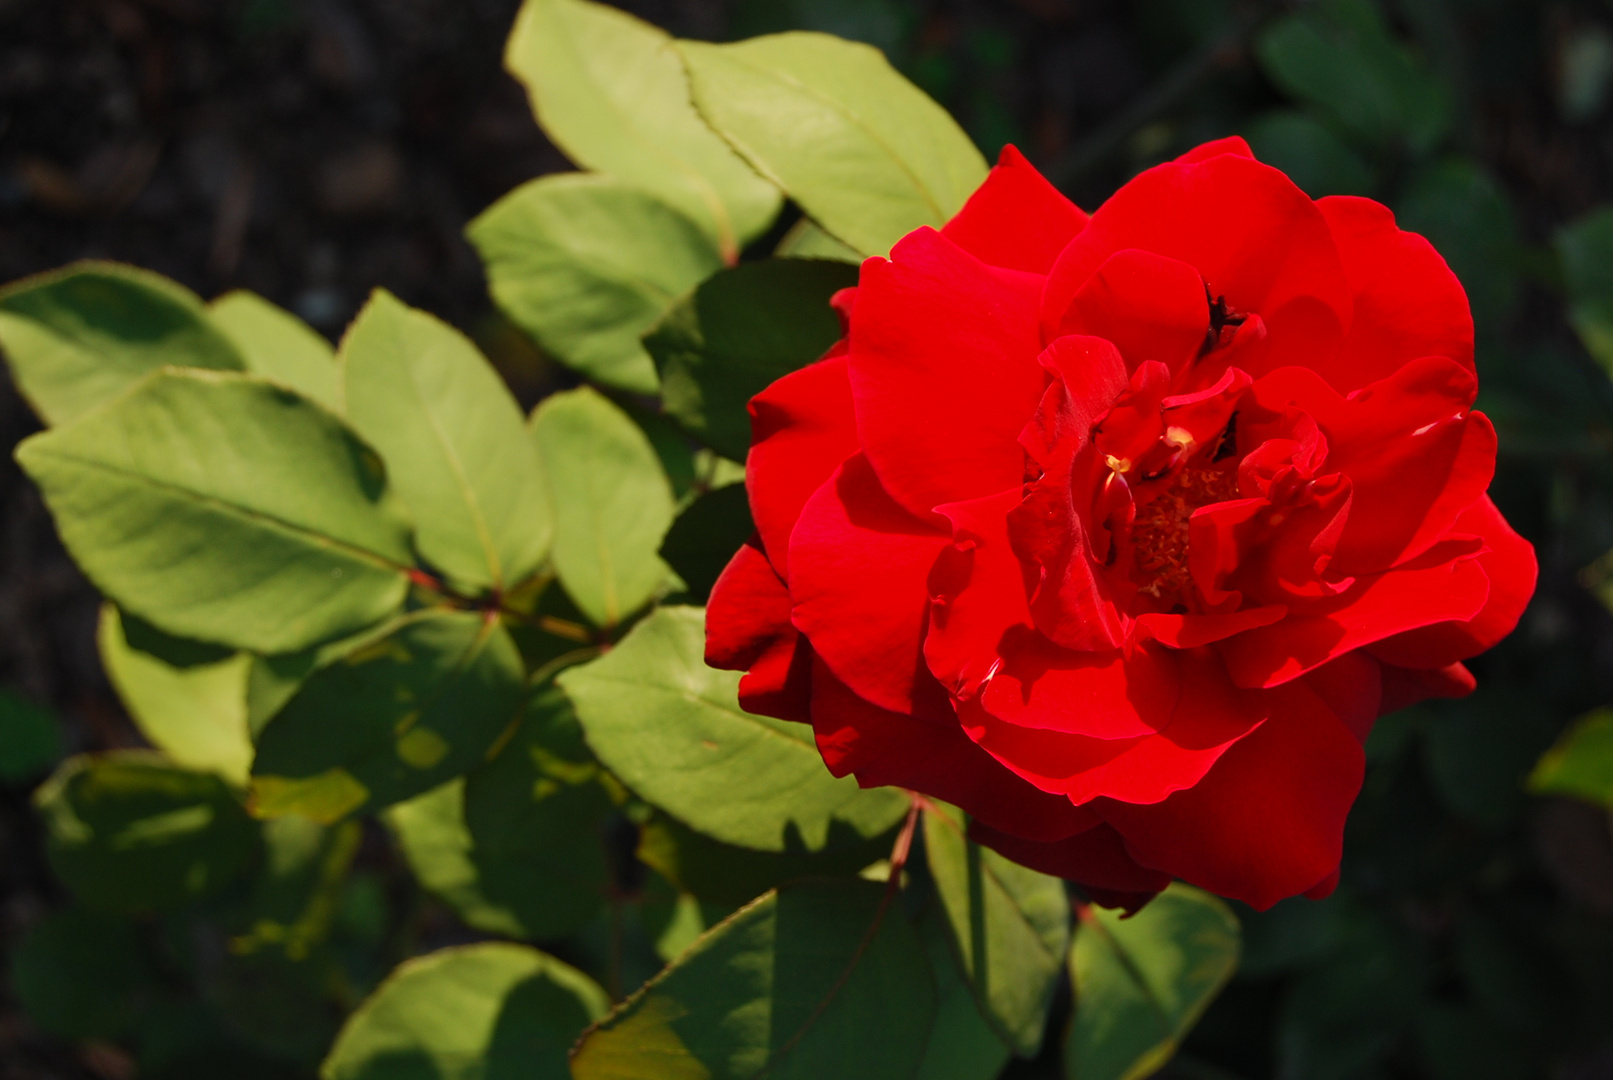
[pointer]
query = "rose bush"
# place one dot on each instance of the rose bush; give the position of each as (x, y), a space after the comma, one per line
(1120, 531)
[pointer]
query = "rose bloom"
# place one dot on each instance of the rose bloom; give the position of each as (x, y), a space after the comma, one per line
(1120, 531)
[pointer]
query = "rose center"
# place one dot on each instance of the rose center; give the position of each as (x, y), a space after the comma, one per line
(1159, 533)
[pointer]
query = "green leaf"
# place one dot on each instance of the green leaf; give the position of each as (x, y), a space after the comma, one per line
(610, 91)
(431, 830)
(476, 1012)
(963, 1044)
(279, 346)
(1308, 151)
(1142, 982)
(452, 437)
(535, 815)
(705, 536)
(864, 152)
(298, 888)
(413, 708)
(130, 833)
(30, 738)
(1466, 215)
(1586, 249)
(1340, 58)
(586, 264)
(724, 874)
(611, 500)
(737, 332)
(1580, 765)
(1009, 926)
(807, 240)
(81, 976)
(671, 729)
(223, 508)
(188, 699)
(1479, 750)
(823, 979)
(84, 334)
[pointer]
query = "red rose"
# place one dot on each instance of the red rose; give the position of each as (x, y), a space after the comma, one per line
(1121, 531)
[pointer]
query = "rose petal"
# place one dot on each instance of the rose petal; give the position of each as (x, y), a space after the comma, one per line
(1089, 375)
(1408, 304)
(1446, 583)
(1267, 822)
(1408, 686)
(1100, 695)
(885, 748)
(978, 591)
(1249, 232)
(943, 371)
(1352, 686)
(858, 570)
(1508, 561)
(1149, 306)
(1232, 144)
(1191, 631)
(748, 629)
(802, 428)
(1016, 219)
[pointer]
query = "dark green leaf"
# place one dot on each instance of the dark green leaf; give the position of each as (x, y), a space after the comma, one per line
(81, 336)
(1479, 751)
(671, 728)
(81, 976)
(963, 1045)
(1009, 926)
(864, 152)
(724, 874)
(188, 699)
(417, 706)
(493, 1011)
(279, 346)
(586, 264)
(1141, 983)
(30, 738)
(612, 504)
(1463, 212)
(1308, 151)
(128, 832)
(705, 536)
(826, 979)
(535, 815)
(610, 92)
(737, 332)
(1581, 763)
(1341, 59)
(431, 830)
(289, 533)
(1586, 249)
(453, 441)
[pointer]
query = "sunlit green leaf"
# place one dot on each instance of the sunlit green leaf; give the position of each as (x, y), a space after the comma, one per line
(816, 980)
(475, 1012)
(410, 710)
(612, 504)
(82, 335)
(807, 240)
(864, 152)
(453, 440)
(1009, 926)
(223, 508)
(610, 91)
(129, 832)
(1141, 983)
(188, 699)
(736, 333)
(279, 346)
(586, 264)
(671, 729)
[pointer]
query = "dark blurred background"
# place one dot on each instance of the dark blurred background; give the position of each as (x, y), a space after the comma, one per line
(312, 149)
